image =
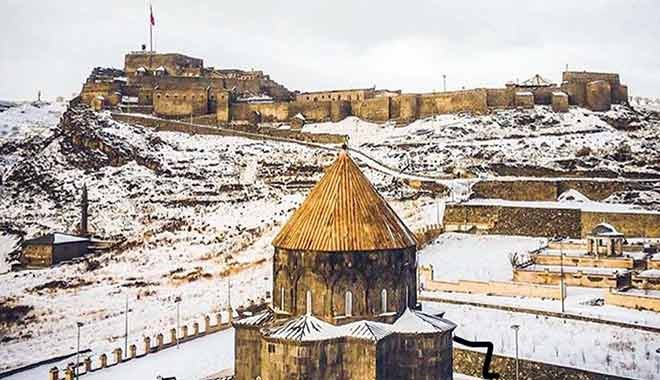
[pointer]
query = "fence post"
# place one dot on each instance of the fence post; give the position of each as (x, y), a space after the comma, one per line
(68, 373)
(159, 341)
(54, 374)
(147, 345)
(118, 355)
(184, 331)
(88, 364)
(195, 329)
(132, 349)
(173, 336)
(104, 360)
(207, 324)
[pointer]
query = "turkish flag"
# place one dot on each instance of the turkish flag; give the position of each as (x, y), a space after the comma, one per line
(152, 18)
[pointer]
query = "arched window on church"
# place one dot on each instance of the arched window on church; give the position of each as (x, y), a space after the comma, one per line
(348, 303)
(383, 301)
(282, 299)
(308, 302)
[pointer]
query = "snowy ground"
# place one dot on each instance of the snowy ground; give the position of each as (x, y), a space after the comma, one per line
(208, 209)
(457, 256)
(596, 347)
(565, 143)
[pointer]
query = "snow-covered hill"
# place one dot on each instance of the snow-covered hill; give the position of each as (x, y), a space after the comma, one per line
(191, 212)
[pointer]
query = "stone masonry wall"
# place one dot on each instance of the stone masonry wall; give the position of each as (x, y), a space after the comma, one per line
(471, 363)
(542, 190)
(475, 101)
(525, 221)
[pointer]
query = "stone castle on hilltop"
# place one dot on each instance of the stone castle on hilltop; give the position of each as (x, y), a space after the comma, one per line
(176, 86)
(344, 294)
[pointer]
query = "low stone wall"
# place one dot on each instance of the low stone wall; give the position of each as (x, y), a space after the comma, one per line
(586, 261)
(259, 134)
(526, 221)
(160, 342)
(579, 278)
(546, 222)
(645, 283)
(549, 190)
(632, 300)
(473, 101)
(470, 363)
(496, 288)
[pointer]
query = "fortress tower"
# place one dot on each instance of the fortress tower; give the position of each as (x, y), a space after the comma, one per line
(344, 254)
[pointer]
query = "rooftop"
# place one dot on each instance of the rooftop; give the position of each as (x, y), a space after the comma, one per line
(56, 238)
(344, 212)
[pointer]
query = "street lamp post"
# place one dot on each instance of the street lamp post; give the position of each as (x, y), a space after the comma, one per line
(177, 300)
(515, 329)
(78, 325)
(444, 82)
(562, 284)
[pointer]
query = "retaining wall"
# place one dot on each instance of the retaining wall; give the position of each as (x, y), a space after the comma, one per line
(578, 278)
(471, 363)
(259, 134)
(632, 300)
(497, 288)
(586, 261)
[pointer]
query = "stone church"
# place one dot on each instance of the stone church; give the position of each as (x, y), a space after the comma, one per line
(344, 294)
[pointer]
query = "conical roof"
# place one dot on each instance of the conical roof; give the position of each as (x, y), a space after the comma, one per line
(344, 212)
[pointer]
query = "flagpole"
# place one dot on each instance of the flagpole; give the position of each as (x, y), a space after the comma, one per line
(151, 28)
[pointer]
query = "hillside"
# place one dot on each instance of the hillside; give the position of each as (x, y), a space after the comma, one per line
(187, 213)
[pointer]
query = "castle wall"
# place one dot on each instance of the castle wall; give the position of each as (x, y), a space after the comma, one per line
(329, 275)
(110, 91)
(313, 111)
(174, 64)
(575, 85)
(475, 101)
(500, 97)
(325, 96)
(599, 95)
(374, 109)
(181, 102)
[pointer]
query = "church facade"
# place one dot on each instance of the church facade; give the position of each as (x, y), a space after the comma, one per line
(344, 294)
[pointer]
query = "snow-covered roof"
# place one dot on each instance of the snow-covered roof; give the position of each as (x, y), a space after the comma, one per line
(299, 116)
(605, 229)
(572, 196)
(129, 99)
(417, 322)
(305, 328)
(57, 238)
(160, 68)
(256, 320)
(524, 93)
(141, 69)
(559, 93)
(369, 330)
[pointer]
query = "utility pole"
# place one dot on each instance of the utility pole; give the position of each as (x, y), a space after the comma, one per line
(444, 82)
(78, 325)
(230, 314)
(515, 329)
(126, 328)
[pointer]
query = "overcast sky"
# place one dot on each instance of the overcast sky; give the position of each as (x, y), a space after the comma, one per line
(314, 44)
